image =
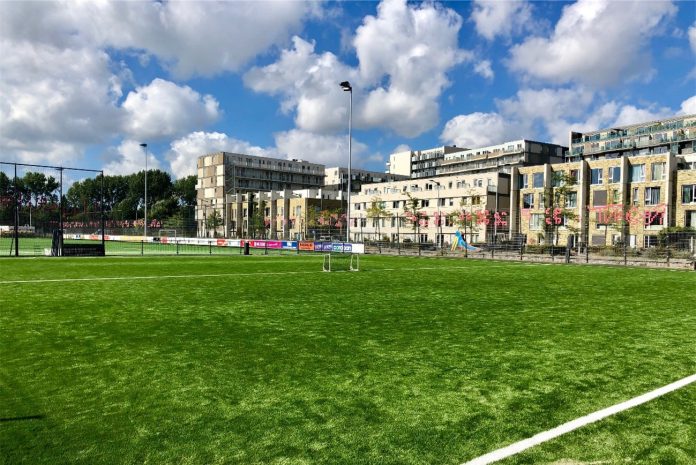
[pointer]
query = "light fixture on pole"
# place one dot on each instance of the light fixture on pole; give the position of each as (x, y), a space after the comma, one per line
(439, 219)
(347, 88)
(144, 146)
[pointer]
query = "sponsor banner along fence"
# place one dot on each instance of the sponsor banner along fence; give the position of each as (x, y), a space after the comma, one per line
(309, 246)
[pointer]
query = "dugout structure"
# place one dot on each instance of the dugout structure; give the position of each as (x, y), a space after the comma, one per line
(37, 218)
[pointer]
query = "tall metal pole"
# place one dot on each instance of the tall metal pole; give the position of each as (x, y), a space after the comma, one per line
(16, 213)
(348, 88)
(60, 212)
(144, 146)
(102, 213)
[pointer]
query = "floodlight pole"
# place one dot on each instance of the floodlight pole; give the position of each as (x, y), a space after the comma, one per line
(347, 88)
(144, 146)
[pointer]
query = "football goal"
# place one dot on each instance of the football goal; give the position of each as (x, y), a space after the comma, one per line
(167, 233)
(341, 262)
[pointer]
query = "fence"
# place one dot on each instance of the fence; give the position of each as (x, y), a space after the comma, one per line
(673, 250)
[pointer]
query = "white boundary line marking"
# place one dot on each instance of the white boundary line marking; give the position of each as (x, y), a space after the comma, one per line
(520, 446)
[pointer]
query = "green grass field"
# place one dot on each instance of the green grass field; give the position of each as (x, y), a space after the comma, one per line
(268, 360)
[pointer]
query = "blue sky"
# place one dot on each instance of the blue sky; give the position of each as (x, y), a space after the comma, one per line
(84, 83)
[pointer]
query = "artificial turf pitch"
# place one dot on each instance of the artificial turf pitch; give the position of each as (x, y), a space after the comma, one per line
(268, 360)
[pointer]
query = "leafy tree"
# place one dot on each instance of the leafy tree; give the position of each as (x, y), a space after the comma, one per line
(184, 190)
(377, 212)
(413, 214)
(213, 222)
(257, 220)
(556, 200)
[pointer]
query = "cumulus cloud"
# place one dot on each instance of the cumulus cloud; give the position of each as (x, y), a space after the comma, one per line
(692, 37)
(588, 39)
(54, 102)
(129, 157)
(404, 55)
(484, 69)
(164, 109)
(190, 38)
(501, 18)
(688, 106)
(185, 151)
(549, 115)
(330, 150)
(479, 130)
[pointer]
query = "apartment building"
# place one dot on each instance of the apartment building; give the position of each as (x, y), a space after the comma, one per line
(336, 178)
(619, 184)
(418, 163)
(502, 157)
(285, 214)
(224, 173)
(476, 204)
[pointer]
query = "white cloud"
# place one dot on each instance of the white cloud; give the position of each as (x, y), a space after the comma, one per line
(501, 18)
(413, 48)
(692, 37)
(404, 54)
(185, 151)
(595, 42)
(130, 158)
(191, 38)
(402, 148)
(308, 83)
(54, 102)
(484, 69)
(688, 106)
(319, 148)
(479, 130)
(164, 109)
(547, 115)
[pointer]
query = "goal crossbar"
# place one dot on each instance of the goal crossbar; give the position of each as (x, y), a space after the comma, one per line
(338, 262)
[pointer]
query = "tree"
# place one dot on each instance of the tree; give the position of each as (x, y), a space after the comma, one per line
(556, 199)
(465, 219)
(184, 190)
(257, 220)
(413, 214)
(213, 221)
(378, 211)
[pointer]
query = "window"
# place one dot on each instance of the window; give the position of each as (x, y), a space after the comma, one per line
(571, 200)
(652, 196)
(395, 204)
(441, 202)
(538, 179)
(574, 174)
(689, 193)
(635, 196)
(614, 174)
(542, 202)
(599, 198)
(596, 176)
(425, 203)
(528, 201)
(557, 179)
(615, 196)
(690, 218)
(536, 221)
(658, 171)
(650, 241)
(637, 173)
(357, 206)
(524, 181)
(475, 200)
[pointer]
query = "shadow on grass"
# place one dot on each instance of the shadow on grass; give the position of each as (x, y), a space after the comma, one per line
(28, 417)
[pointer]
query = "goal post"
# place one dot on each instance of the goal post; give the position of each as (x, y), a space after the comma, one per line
(167, 233)
(341, 262)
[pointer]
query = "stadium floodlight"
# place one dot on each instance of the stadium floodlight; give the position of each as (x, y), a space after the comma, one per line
(348, 88)
(144, 146)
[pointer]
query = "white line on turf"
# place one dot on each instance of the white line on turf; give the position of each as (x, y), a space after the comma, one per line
(537, 439)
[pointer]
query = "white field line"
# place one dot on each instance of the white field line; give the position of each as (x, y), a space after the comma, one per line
(537, 439)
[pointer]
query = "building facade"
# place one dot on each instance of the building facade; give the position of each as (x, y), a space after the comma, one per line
(619, 185)
(433, 210)
(224, 173)
(418, 163)
(336, 178)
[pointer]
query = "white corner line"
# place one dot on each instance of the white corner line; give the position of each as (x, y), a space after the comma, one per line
(537, 439)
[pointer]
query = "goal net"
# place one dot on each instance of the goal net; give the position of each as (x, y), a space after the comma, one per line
(341, 262)
(167, 233)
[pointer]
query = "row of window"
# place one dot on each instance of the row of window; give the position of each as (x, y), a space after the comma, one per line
(636, 174)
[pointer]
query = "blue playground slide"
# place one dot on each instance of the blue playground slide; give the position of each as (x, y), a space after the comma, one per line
(461, 242)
